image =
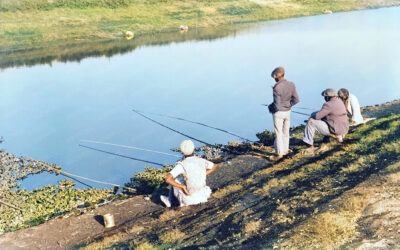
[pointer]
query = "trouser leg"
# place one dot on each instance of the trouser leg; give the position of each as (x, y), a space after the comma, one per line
(278, 126)
(286, 136)
(314, 126)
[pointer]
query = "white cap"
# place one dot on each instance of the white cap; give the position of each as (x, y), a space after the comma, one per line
(187, 147)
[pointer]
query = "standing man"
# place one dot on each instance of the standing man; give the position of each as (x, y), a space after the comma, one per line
(285, 97)
(330, 120)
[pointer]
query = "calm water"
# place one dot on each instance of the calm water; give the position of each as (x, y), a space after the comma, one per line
(46, 110)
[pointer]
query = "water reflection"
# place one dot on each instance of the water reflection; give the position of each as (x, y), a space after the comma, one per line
(75, 51)
(46, 111)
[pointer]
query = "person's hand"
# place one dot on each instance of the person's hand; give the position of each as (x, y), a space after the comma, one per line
(184, 189)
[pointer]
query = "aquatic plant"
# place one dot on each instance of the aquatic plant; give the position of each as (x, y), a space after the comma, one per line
(41, 204)
(149, 180)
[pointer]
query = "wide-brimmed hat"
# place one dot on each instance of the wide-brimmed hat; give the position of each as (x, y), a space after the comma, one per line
(329, 93)
(187, 147)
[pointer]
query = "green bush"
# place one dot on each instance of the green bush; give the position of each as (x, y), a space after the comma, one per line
(267, 137)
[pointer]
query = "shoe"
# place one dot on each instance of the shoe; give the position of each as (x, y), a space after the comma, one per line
(308, 151)
(276, 157)
(165, 200)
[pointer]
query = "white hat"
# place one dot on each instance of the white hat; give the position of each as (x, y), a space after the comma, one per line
(187, 147)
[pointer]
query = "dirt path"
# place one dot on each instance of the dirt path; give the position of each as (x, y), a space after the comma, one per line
(61, 233)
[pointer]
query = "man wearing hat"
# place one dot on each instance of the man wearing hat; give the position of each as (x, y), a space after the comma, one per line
(285, 97)
(188, 178)
(330, 120)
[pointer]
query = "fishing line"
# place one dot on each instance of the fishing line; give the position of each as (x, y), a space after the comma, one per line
(201, 124)
(123, 156)
(174, 130)
(130, 147)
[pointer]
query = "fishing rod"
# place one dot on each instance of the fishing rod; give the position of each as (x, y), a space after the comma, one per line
(9, 205)
(123, 156)
(300, 113)
(201, 124)
(304, 108)
(130, 147)
(72, 178)
(174, 130)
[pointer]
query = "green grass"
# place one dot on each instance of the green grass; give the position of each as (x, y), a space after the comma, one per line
(287, 193)
(38, 23)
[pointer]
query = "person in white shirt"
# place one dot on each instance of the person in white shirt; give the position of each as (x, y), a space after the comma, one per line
(188, 178)
(352, 106)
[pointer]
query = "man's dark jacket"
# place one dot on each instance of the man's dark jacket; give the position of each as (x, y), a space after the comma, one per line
(334, 113)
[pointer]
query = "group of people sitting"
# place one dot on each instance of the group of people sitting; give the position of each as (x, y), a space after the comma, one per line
(331, 120)
(188, 177)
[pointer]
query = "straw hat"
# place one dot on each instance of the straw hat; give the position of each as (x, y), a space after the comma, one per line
(187, 147)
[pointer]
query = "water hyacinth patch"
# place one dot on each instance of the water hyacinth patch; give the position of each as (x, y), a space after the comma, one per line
(41, 204)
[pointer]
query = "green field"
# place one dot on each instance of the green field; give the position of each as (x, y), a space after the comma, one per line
(40, 23)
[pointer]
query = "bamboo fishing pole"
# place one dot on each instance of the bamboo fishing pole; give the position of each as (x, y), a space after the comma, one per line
(123, 156)
(300, 113)
(199, 123)
(174, 130)
(131, 147)
(9, 205)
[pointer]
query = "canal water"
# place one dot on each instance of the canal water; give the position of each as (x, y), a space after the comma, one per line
(46, 110)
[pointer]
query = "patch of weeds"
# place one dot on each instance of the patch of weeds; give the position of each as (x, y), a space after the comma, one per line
(252, 227)
(266, 137)
(24, 34)
(186, 15)
(220, 193)
(145, 246)
(149, 180)
(172, 236)
(236, 11)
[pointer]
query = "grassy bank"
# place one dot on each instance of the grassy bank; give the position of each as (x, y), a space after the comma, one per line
(304, 201)
(39, 23)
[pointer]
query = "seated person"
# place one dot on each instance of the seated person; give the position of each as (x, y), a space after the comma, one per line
(188, 178)
(352, 106)
(330, 120)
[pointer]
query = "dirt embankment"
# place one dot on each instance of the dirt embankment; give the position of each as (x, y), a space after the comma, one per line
(346, 195)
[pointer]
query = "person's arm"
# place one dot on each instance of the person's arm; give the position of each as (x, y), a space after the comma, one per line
(215, 167)
(277, 97)
(171, 181)
(295, 97)
(323, 112)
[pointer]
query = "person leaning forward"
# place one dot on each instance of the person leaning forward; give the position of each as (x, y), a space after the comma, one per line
(285, 97)
(330, 120)
(188, 178)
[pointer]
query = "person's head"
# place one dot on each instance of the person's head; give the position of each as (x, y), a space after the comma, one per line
(328, 94)
(187, 147)
(278, 74)
(343, 94)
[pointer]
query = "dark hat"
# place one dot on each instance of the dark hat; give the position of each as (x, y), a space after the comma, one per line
(329, 93)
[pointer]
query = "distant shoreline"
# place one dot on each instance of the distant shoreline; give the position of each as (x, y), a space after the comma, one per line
(39, 24)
